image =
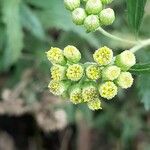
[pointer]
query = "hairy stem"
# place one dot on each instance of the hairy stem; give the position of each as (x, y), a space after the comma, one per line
(115, 37)
(140, 45)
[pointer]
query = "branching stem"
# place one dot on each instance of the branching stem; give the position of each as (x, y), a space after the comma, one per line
(140, 45)
(137, 44)
(115, 37)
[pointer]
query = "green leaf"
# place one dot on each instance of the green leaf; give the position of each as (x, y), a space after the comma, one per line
(31, 22)
(2, 37)
(144, 90)
(54, 15)
(130, 128)
(14, 34)
(141, 68)
(135, 13)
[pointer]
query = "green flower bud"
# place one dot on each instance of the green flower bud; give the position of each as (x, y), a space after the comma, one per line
(125, 80)
(111, 73)
(72, 54)
(108, 90)
(75, 72)
(103, 56)
(105, 2)
(91, 23)
(93, 6)
(57, 87)
(78, 16)
(93, 72)
(76, 94)
(107, 16)
(89, 92)
(95, 104)
(125, 60)
(55, 56)
(71, 4)
(58, 72)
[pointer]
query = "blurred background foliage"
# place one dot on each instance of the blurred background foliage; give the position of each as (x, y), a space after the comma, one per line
(31, 118)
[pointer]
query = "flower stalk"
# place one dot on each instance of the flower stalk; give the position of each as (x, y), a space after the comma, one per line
(137, 44)
(140, 45)
(116, 38)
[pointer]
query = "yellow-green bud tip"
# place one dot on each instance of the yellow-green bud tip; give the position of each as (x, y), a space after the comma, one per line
(107, 16)
(78, 16)
(108, 90)
(103, 56)
(71, 4)
(57, 87)
(91, 23)
(75, 72)
(58, 72)
(94, 104)
(72, 53)
(111, 73)
(93, 6)
(105, 2)
(125, 80)
(89, 92)
(125, 60)
(93, 72)
(55, 56)
(76, 95)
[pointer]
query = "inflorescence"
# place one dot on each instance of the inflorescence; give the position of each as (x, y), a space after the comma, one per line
(92, 81)
(90, 13)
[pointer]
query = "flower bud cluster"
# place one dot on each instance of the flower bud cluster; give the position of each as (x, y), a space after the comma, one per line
(92, 81)
(90, 13)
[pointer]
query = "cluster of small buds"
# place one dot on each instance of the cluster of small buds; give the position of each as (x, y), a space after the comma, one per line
(89, 82)
(90, 13)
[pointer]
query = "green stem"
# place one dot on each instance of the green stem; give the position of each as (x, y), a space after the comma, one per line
(140, 45)
(115, 37)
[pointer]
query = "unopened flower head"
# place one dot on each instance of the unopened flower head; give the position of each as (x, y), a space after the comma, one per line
(125, 60)
(58, 72)
(94, 104)
(103, 56)
(108, 90)
(111, 72)
(89, 92)
(93, 6)
(105, 2)
(107, 16)
(75, 72)
(78, 16)
(55, 56)
(93, 72)
(57, 87)
(91, 23)
(71, 4)
(76, 95)
(72, 53)
(125, 80)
